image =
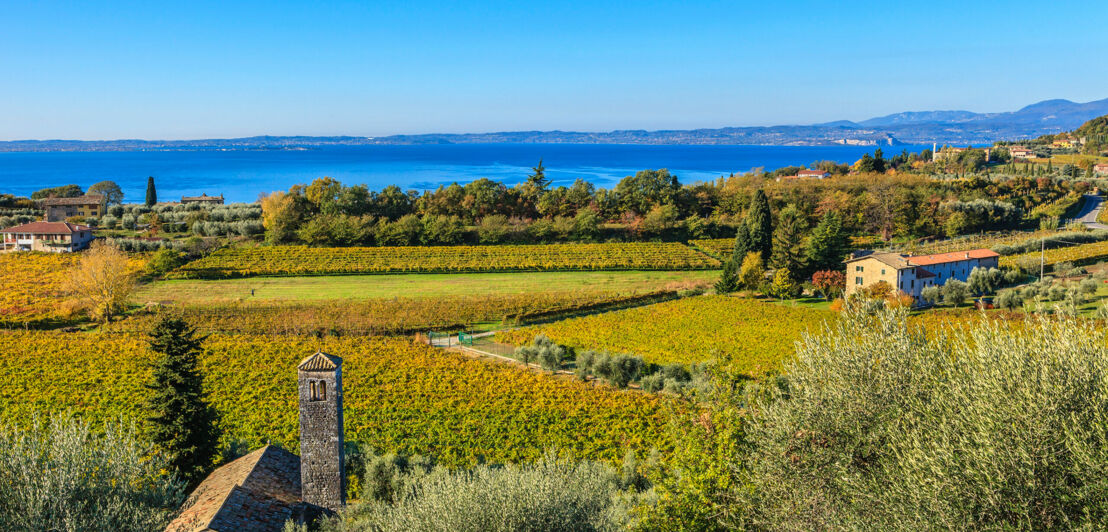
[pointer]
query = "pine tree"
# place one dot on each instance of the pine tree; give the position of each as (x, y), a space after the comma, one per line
(151, 192)
(828, 244)
(728, 280)
(743, 244)
(182, 424)
(760, 221)
(788, 241)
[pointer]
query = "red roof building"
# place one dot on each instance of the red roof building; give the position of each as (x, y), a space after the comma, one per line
(51, 237)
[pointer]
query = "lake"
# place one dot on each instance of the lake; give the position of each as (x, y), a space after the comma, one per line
(241, 175)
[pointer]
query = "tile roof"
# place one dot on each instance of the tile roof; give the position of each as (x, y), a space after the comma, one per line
(88, 199)
(47, 228)
(954, 256)
(258, 492)
(320, 362)
(900, 262)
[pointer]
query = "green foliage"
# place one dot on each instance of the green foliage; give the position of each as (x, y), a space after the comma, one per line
(931, 294)
(743, 244)
(728, 279)
(550, 355)
(494, 229)
(984, 281)
(164, 260)
(1009, 300)
(113, 195)
(828, 244)
(64, 476)
(788, 241)
(760, 220)
(66, 191)
(876, 427)
(549, 495)
(151, 192)
(954, 292)
(618, 369)
(182, 423)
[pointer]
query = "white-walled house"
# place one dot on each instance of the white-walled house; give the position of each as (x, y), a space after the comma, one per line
(51, 237)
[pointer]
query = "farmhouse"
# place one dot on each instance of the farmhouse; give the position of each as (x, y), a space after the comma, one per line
(1021, 152)
(270, 486)
(813, 174)
(910, 274)
(203, 199)
(1101, 169)
(59, 209)
(55, 237)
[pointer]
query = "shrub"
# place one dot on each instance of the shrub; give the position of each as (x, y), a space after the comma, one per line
(653, 383)
(931, 294)
(549, 495)
(876, 427)
(619, 369)
(1009, 300)
(64, 476)
(954, 292)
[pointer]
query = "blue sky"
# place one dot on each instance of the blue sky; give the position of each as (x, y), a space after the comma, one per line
(100, 70)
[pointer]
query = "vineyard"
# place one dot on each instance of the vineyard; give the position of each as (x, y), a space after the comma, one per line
(31, 286)
(756, 335)
(386, 316)
(721, 248)
(302, 260)
(1082, 254)
(399, 396)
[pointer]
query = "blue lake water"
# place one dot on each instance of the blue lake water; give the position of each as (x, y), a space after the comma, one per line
(241, 175)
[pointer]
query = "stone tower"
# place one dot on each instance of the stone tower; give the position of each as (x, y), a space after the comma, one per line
(322, 462)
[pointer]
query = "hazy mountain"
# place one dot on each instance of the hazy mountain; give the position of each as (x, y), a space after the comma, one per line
(915, 127)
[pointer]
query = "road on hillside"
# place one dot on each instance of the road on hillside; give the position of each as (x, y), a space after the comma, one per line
(1090, 209)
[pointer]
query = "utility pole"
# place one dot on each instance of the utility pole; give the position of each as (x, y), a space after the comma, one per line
(1042, 259)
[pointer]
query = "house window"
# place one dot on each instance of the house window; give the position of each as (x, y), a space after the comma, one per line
(882, 271)
(858, 281)
(318, 390)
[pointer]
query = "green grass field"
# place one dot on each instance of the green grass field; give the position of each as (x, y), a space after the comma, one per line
(413, 285)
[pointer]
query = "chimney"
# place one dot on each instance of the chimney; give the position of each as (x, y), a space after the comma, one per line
(967, 254)
(322, 459)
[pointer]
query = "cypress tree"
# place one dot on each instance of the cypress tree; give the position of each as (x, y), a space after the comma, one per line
(182, 424)
(151, 192)
(760, 220)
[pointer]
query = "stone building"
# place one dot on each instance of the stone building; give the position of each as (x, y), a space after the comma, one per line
(61, 209)
(203, 199)
(910, 274)
(263, 490)
(319, 378)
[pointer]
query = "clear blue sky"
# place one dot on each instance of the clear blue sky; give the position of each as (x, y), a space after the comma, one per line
(196, 69)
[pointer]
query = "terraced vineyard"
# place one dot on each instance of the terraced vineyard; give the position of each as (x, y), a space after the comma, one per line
(399, 396)
(1080, 254)
(756, 335)
(399, 315)
(302, 260)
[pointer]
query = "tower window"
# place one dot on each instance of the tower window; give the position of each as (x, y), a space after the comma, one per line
(318, 390)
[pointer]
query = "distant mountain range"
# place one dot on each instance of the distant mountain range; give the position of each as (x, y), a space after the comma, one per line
(917, 127)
